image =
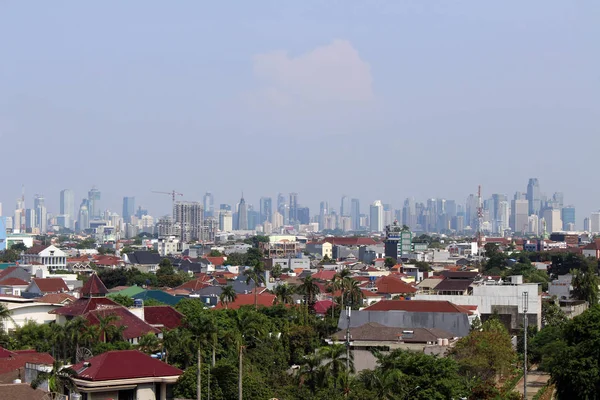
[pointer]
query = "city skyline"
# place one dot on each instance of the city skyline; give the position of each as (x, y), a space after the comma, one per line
(460, 94)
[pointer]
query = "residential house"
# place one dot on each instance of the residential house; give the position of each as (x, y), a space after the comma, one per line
(12, 364)
(262, 300)
(454, 287)
(163, 317)
(159, 296)
(24, 310)
(391, 286)
(144, 261)
(42, 286)
(125, 374)
(135, 327)
(15, 272)
(50, 256)
(13, 286)
(592, 249)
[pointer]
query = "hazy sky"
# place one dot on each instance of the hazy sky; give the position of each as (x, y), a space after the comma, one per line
(373, 99)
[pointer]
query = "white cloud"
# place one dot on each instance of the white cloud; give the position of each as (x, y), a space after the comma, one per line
(327, 88)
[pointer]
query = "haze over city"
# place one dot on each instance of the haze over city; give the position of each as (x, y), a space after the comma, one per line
(381, 101)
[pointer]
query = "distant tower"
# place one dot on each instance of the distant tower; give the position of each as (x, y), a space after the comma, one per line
(293, 208)
(128, 208)
(67, 207)
(533, 196)
(376, 216)
(94, 203)
(209, 204)
(242, 214)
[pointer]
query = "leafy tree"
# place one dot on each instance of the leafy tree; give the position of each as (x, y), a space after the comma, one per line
(423, 266)
(276, 271)
(585, 282)
(389, 262)
(19, 247)
(215, 253)
(284, 294)
(122, 300)
(552, 315)
(149, 343)
(335, 359)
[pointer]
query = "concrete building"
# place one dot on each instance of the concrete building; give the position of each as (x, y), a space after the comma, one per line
(128, 208)
(376, 216)
(534, 196)
(189, 220)
(50, 256)
(93, 203)
(225, 221)
(553, 219)
(595, 222)
(519, 216)
(568, 217)
(242, 215)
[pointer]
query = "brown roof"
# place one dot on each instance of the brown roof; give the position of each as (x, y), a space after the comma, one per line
(453, 285)
(460, 274)
(375, 332)
(37, 249)
(417, 306)
(393, 285)
(50, 285)
(13, 360)
(82, 306)
(21, 391)
(350, 241)
(166, 316)
(134, 326)
(194, 285)
(93, 287)
(7, 271)
(263, 299)
(13, 282)
(56, 298)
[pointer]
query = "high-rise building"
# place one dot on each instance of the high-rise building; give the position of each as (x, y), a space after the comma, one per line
(568, 216)
(553, 220)
(209, 204)
(471, 206)
(128, 208)
(534, 224)
(41, 217)
(293, 208)
(586, 224)
(595, 222)
(83, 219)
(242, 215)
(188, 217)
(503, 216)
(534, 197)
(67, 207)
(225, 221)
(409, 213)
(376, 216)
(303, 215)
(345, 206)
(266, 209)
(225, 207)
(355, 214)
(519, 215)
(93, 204)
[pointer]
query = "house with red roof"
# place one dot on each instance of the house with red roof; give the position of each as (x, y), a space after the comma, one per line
(93, 287)
(13, 286)
(50, 256)
(125, 374)
(57, 298)
(391, 286)
(42, 286)
(15, 272)
(80, 307)
(134, 326)
(262, 299)
(12, 363)
(163, 317)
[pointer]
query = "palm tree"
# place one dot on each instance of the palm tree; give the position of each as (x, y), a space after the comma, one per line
(284, 294)
(58, 378)
(340, 282)
(228, 295)
(177, 346)
(336, 358)
(149, 343)
(309, 289)
(90, 334)
(104, 323)
(75, 330)
(311, 371)
(383, 382)
(354, 294)
(5, 314)
(257, 275)
(58, 339)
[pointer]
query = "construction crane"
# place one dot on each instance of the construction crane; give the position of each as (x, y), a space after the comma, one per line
(172, 193)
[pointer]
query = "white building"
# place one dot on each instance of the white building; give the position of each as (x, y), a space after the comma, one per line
(534, 226)
(376, 216)
(24, 310)
(50, 256)
(553, 220)
(595, 222)
(225, 221)
(167, 246)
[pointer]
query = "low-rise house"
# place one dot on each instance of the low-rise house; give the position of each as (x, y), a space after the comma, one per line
(15, 272)
(163, 317)
(262, 299)
(592, 249)
(125, 374)
(159, 296)
(391, 286)
(57, 298)
(24, 310)
(12, 363)
(454, 287)
(14, 286)
(42, 286)
(144, 261)
(135, 327)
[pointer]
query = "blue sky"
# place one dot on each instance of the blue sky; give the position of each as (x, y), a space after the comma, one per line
(376, 100)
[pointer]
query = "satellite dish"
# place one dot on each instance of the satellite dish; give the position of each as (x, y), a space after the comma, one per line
(83, 354)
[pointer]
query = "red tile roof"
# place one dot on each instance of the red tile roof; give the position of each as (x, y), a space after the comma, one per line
(322, 306)
(194, 285)
(123, 364)
(82, 306)
(324, 275)
(263, 299)
(166, 316)
(37, 249)
(393, 285)
(21, 391)
(417, 306)
(13, 360)
(134, 326)
(368, 293)
(93, 287)
(13, 282)
(216, 261)
(50, 285)
(56, 298)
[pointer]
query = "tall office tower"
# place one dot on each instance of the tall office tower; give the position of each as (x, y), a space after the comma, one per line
(376, 216)
(277, 220)
(503, 216)
(252, 216)
(225, 221)
(450, 208)
(558, 199)
(281, 202)
(440, 207)
(345, 206)
(323, 213)
(388, 215)
(67, 207)
(533, 196)
(409, 213)
(355, 214)
(189, 220)
(94, 204)
(83, 220)
(242, 215)
(209, 204)
(41, 217)
(534, 225)
(471, 211)
(29, 219)
(266, 209)
(553, 220)
(293, 208)
(303, 215)
(225, 207)
(521, 196)
(494, 207)
(518, 215)
(586, 224)
(595, 222)
(568, 217)
(128, 209)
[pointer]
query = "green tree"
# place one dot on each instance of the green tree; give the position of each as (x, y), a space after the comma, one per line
(123, 300)
(309, 289)
(284, 294)
(389, 262)
(58, 379)
(585, 282)
(335, 359)
(255, 275)
(552, 315)
(276, 271)
(228, 295)
(215, 253)
(149, 343)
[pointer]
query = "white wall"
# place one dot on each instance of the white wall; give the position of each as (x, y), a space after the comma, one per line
(23, 312)
(146, 392)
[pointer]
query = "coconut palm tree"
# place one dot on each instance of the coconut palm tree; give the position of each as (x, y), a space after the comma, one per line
(336, 358)
(228, 295)
(311, 371)
(104, 324)
(149, 343)
(58, 378)
(90, 334)
(284, 294)
(75, 330)
(257, 275)
(354, 294)
(309, 290)
(385, 383)
(5, 314)
(177, 346)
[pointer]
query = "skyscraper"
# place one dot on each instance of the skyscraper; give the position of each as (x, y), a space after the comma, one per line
(568, 217)
(83, 220)
(293, 208)
(355, 214)
(128, 208)
(209, 204)
(40, 213)
(519, 214)
(376, 216)
(266, 209)
(533, 196)
(94, 204)
(345, 207)
(67, 207)
(242, 215)
(409, 213)
(189, 220)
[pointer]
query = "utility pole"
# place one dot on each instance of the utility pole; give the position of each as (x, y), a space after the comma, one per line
(348, 310)
(525, 323)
